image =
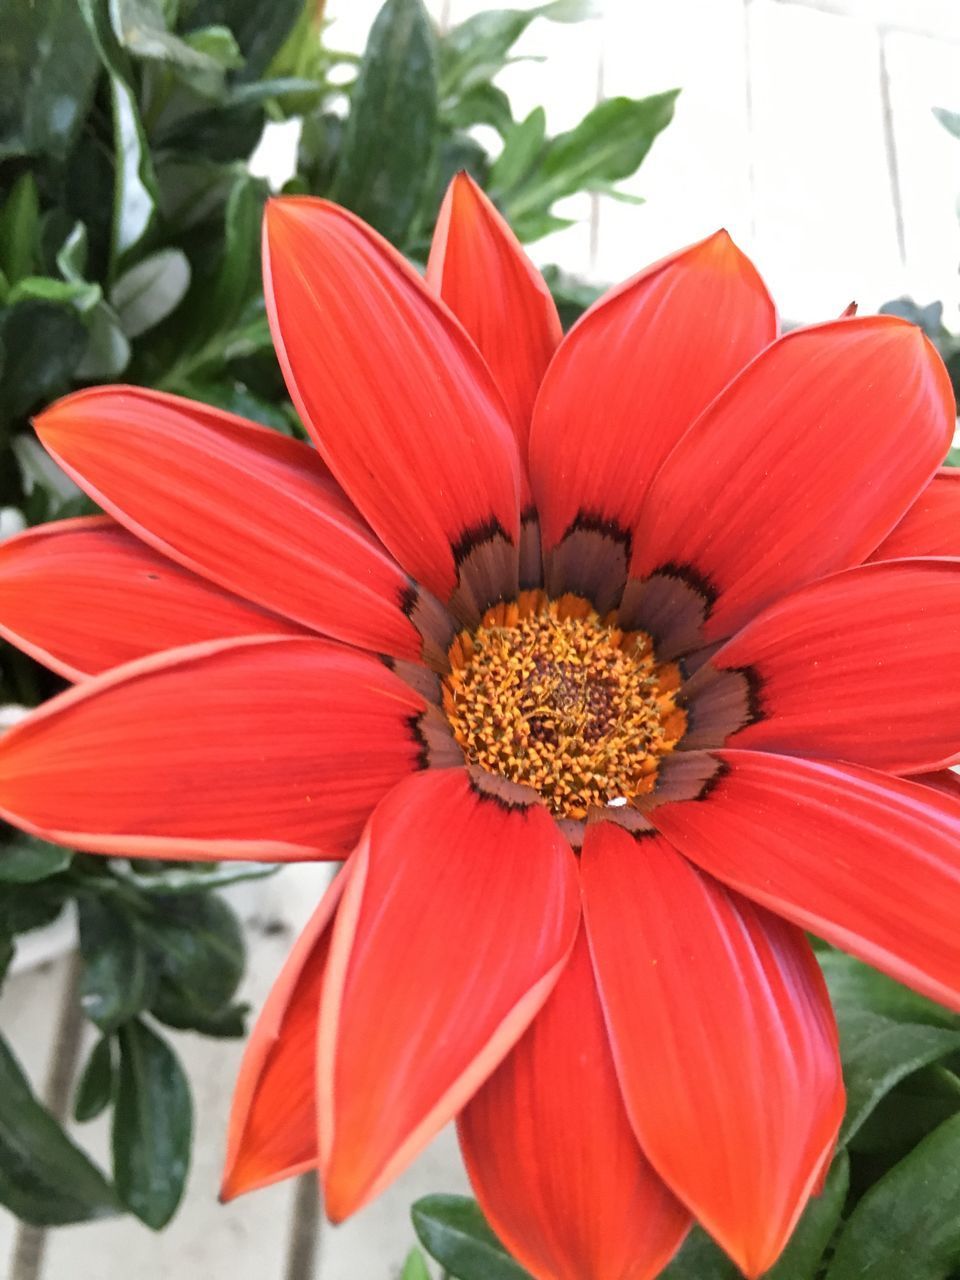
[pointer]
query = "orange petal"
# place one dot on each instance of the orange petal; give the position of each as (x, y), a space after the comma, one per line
(238, 504)
(723, 1036)
(800, 467)
(273, 1120)
(630, 378)
(853, 667)
(85, 595)
(551, 1154)
(459, 915)
(868, 861)
(931, 527)
(266, 748)
(397, 397)
(480, 270)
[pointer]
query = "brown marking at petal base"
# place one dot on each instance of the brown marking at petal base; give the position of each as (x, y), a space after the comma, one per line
(438, 747)
(671, 606)
(591, 560)
(718, 703)
(531, 555)
(434, 623)
(487, 571)
(684, 775)
(420, 678)
(507, 794)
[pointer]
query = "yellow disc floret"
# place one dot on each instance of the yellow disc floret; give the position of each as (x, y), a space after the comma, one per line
(548, 694)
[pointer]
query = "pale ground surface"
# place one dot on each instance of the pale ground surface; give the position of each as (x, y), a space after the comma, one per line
(804, 127)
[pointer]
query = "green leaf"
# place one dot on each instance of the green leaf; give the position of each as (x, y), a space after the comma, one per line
(149, 291)
(389, 139)
(700, 1259)
(910, 1111)
(414, 1268)
(854, 985)
(907, 1225)
(42, 343)
(72, 255)
(475, 50)
(82, 296)
(27, 859)
(31, 906)
(949, 119)
(6, 955)
(169, 881)
(260, 29)
(454, 1231)
(48, 69)
(238, 273)
(877, 1053)
(96, 1084)
(198, 955)
(108, 349)
(483, 104)
(140, 28)
(44, 1178)
(521, 150)
(607, 145)
(802, 1256)
(218, 44)
(20, 229)
(41, 476)
(152, 1126)
(116, 982)
(233, 396)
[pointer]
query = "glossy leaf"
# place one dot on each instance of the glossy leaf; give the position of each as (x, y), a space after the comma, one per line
(116, 981)
(855, 985)
(48, 68)
(907, 1224)
(42, 343)
(44, 1178)
(476, 49)
(148, 292)
(521, 149)
(142, 30)
(259, 29)
(389, 139)
(877, 1053)
(197, 951)
(608, 144)
(96, 1083)
(152, 1126)
(25, 859)
(454, 1231)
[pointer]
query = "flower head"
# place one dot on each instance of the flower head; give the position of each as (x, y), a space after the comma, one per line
(609, 663)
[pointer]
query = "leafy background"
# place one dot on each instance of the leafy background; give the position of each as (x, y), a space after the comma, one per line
(129, 226)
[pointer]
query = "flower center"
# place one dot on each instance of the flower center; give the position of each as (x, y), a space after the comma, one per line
(549, 694)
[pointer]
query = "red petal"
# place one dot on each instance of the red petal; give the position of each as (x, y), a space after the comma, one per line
(84, 595)
(865, 860)
(855, 667)
(458, 918)
(633, 374)
(800, 467)
(479, 268)
(945, 780)
(931, 526)
(241, 505)
(396, 395)
(551, 1154)
(273, 1119)
(260, 748)
(724, 1040)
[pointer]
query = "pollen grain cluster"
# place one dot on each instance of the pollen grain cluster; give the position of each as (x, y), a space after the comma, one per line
(548, 694)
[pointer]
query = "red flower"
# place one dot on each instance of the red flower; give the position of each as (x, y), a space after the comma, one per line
(713, 689)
